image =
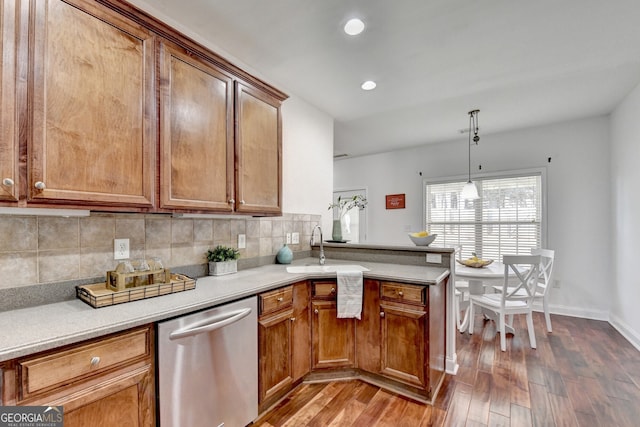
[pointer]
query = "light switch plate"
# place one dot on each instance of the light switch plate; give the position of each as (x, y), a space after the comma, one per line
(120, 248)
(295, 238)
(434, 258)
(288, 238)
(242, 241)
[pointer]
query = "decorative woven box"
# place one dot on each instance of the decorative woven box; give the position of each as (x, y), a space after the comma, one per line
(122, 287)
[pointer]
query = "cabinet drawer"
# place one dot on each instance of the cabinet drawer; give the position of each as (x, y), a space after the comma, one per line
(403, 293)
(64, 367)
(275, 300)
(325, 289)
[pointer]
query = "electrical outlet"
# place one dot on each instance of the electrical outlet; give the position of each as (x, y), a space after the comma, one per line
(295, 238)
(434, 258)
(288, 238)
(121, 249)
(242, 241)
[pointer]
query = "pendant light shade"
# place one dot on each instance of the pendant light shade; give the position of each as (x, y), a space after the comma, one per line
(470, 191)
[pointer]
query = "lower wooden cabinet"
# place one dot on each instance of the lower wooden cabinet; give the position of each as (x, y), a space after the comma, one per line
(404, 344)
(398, 343)
(368, 329)
(283, 341)
(332, 339)
(106, 382)
(275, 345)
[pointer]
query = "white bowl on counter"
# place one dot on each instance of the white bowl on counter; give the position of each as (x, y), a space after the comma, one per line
(423, 241)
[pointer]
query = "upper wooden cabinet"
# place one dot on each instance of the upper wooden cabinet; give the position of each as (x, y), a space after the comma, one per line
(93, 136)
(258, 152)
(196, 133)
(9, 177)
(103, 106)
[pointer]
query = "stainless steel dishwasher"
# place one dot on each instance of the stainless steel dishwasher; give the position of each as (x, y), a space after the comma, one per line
(208, 367)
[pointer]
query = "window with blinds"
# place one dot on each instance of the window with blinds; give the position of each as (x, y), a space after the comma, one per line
(506, 219)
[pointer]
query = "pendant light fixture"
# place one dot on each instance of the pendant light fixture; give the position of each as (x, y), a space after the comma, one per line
(470, 191)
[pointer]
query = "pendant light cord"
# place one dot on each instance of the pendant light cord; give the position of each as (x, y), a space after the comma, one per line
(470, 122)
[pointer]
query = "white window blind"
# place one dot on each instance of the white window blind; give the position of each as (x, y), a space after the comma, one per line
(506, 219)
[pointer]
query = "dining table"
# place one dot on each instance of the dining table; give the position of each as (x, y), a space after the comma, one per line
(482, 280)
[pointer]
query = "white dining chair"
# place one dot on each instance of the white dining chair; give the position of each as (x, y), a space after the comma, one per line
(513, 299)
(545, 277)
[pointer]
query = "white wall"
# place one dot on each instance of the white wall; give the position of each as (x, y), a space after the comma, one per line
(307, 151)
(578, 197)
(625, 199)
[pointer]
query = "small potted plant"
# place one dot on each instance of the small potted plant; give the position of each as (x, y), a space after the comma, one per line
(222, 260)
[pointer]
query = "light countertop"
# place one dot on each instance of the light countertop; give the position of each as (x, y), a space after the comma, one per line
(30, 330)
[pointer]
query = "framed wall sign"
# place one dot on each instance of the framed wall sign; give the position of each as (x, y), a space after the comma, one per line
(395, 201)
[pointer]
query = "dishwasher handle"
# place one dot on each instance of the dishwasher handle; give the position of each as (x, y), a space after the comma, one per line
(211, 324)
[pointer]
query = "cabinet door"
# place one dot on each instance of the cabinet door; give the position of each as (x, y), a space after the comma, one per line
(404, 343)
(301, 353)
(196, 127)
(275, 347)
(258, 152)
(368, 329)
(125, 400)
(333, 339)
(8, 107)
(94, 114)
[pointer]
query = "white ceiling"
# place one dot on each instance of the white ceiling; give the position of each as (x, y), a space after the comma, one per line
(522, 63)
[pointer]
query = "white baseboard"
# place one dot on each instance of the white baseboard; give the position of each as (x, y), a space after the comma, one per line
(452, 364)
(632, 336)
(625, 330)
(564, 310)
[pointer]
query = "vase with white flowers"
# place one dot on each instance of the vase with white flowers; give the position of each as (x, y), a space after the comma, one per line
(340, 209)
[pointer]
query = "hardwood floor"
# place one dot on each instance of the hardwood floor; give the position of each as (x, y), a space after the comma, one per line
(583, 374)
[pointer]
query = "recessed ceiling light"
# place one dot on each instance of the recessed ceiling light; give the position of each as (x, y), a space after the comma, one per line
(354, 27)
(368, 85)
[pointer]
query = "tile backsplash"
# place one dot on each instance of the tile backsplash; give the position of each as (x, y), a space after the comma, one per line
(36, 250)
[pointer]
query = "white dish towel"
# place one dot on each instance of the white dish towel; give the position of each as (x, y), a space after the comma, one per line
(349, 294)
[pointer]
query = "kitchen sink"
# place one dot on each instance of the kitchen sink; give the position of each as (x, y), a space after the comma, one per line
(324, 268)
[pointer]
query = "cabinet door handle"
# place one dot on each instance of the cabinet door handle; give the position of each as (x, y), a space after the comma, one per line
(400, 293)
(242, 202)
(40, 185)
(8, 182)
(382, 314)
(95, 361)
(232, 201)
(279, 299)
(315, 311)
(293, 319)
(333, 290)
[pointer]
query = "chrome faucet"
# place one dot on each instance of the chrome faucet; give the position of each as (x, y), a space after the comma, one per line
(311, 242)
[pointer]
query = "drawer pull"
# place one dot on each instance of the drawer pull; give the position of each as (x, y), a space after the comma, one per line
(95, 361)
(400, 293)
(333, 290)
(382, 314)
(280, 299)
(315, 311)
(293, 319)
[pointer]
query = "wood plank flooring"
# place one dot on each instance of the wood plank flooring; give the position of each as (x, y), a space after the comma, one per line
(583, 374)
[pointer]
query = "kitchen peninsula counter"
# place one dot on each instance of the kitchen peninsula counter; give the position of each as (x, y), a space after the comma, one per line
(35, 329)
